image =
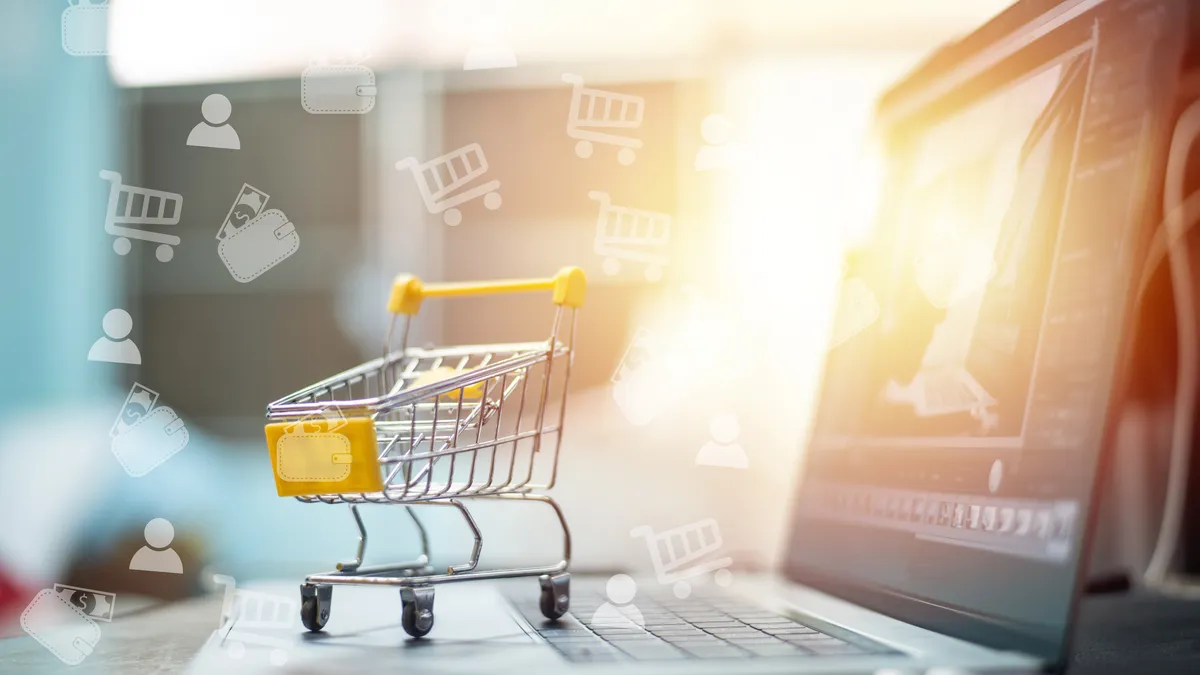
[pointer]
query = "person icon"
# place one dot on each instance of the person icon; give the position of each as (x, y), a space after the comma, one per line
(213, 132)
(717, 152)
(116, 347)
(157, 555)
(619, 610)
(723, 450)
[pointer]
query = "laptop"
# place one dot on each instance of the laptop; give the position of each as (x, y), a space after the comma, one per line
(948, 492)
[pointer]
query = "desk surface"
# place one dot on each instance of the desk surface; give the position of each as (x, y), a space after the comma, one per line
(1119, 635)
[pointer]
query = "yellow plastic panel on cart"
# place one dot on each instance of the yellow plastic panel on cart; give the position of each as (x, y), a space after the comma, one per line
(321, 456)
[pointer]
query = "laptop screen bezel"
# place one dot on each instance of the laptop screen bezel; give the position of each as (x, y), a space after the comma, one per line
(944, 72)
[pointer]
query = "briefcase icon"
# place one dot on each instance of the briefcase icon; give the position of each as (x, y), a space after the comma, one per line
(85, 28)
(311, 458)
(150, 441)
(259, 245)
(60, 627)
(327, 89)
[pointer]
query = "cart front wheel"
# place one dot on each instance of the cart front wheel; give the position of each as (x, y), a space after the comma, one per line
(723, 577)
(583, 149)
(164, 253)
(314, 605)
(452, 217)
(417, 617)
(556, 595)
(682, 589)
(625, 156)
(122, 246)
(611, 266)
(492, 200)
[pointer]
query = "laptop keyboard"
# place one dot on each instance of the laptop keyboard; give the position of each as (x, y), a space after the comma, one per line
(713, 627)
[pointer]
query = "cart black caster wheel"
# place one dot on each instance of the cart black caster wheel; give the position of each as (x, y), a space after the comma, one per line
(417, 617)
(314, 605)
(556, 595)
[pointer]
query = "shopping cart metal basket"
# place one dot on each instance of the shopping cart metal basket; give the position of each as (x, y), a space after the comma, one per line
(631, 234)
(433, 426)
(594, 112)
(128, 205)
(439, 179)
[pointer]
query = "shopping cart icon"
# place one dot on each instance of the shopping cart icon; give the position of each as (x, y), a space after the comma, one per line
(678, 554)
(135, 206)
(244, 612)
(438, 180)
(633, 235)
(595, 112)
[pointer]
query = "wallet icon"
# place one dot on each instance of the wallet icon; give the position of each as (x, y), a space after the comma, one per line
(321, 456)
(324, 454)
(342, 89)
(60, 627)
(150, 441)
(259, 245)
(85, 28)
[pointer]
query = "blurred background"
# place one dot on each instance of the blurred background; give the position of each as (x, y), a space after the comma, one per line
(755, 140)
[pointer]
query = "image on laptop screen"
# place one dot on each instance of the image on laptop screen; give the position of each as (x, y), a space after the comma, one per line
(963, 405)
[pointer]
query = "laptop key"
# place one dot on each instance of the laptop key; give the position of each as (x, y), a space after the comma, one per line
(649, 651)
(781, 649)
(717, 651)
(592, 652)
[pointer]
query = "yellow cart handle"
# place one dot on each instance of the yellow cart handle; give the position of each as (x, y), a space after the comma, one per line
(569, 286)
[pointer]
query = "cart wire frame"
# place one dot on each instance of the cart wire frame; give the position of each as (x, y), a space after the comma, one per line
(453, 438)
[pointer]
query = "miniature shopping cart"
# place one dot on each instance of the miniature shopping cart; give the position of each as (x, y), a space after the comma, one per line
(439, 179)
(433, 426)
(677, 554)
(128, 205)
(594, 112)
(244, 612)
(633, 235)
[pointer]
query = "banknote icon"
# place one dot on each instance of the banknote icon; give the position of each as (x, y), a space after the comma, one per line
(95, 605)
(138, 402)
(249, 203)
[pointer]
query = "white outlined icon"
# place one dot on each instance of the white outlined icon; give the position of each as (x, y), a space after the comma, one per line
(678, 555)
(440, 178)
(85, 28)
(157, 555)
(722, 449)
(618, 609)
(145, 436)
(633, 235)
(251, 240)
(129, 205)
(115, 346)
(337, 88)
(60, 626)
(594, 113)
(214, 131)
(243, 613)
(314, 452)
(96, 605)
(717, 152)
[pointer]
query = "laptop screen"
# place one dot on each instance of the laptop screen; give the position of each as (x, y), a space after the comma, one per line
(979, 334)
